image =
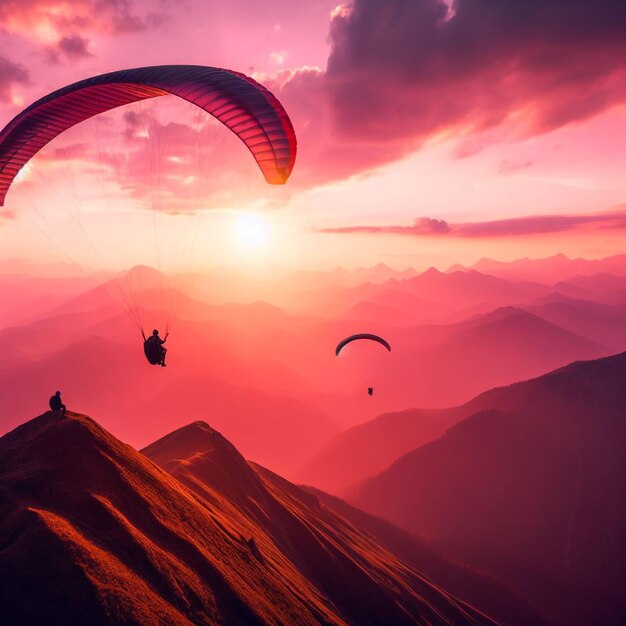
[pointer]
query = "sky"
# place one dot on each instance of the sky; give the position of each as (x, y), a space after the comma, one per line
(429, 133)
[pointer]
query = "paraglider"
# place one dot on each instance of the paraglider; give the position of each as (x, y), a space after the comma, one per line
(352, 338)
(153, 348)
(245, 107)
(342, 344)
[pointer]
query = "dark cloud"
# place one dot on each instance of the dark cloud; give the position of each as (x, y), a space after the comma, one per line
(133, 124)
(401, 68)
(531, 225)
(403, 71)
(70, 48)
(74, 46)
(10, 74)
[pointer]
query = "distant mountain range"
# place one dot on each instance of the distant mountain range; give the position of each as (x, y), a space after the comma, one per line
(237, 363)
(555, 268)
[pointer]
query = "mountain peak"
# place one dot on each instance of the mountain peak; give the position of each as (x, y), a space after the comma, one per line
(199, 450)
(75, 431)
(431, 272)
(145, 277)
(195, 438)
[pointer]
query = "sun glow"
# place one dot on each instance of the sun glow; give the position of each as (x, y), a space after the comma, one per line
(252, 230)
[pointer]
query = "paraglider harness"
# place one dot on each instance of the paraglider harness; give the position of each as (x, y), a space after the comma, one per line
(153, 349)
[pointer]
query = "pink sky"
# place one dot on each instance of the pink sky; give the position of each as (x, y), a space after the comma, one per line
(415, 120)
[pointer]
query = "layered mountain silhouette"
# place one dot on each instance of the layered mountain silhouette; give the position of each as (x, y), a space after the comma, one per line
(600, 322)
(531, 487)
(95, 532)
(256, 350)
(557, 267)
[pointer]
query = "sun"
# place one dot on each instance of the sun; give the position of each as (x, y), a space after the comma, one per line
(252, 230)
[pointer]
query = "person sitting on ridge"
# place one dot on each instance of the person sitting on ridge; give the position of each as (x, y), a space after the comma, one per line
(153, 348)
(56, 404)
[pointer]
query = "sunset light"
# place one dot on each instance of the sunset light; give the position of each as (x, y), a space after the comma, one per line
(313, 312)
(252, 230)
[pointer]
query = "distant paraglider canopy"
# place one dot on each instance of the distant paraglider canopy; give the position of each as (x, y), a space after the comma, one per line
(247, 108)
(369, 336)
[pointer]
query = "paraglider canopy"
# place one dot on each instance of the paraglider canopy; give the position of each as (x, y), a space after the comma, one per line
(247, 108)
(369, 336)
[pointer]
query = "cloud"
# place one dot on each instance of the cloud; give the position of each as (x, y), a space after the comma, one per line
(540, 224)
(71, 48)
(530, 225)
(50, 21)
(421, 226)
(509, 167)
(278, 56)
(402, 72)
(165, 156)
(74, 46)
(11, 74)
(324, 155)
(402, 67)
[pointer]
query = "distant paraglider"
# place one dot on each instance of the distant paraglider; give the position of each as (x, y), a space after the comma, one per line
(342, 344)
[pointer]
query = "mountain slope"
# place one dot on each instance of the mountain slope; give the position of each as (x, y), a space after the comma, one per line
(603, 323)
(531, 487)
(339, 559)
(367, 449)
(481, 590)
(500, 350)
(95, 533)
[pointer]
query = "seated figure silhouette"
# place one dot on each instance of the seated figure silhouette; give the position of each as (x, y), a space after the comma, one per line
(153, 348)
(370, 391)
(56, 404)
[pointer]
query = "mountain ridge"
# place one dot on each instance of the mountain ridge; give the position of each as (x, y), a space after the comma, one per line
(126, 542)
